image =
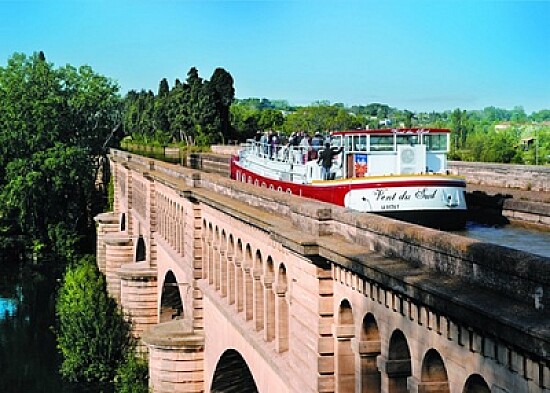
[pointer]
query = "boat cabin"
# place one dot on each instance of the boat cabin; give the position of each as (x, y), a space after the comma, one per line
(366, 153)
(391, 152)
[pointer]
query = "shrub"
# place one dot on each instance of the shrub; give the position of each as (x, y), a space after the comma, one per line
(132, 375)
(92, 335)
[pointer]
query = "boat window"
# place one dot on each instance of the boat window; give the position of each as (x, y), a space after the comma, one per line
(436, 142)
(349, 142)
(407, 139)
(336, 141)
(381, 142)
(360, 143)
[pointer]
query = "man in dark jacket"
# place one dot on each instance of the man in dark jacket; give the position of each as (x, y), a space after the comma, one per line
(325, 159)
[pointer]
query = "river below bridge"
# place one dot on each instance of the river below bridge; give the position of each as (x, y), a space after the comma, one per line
(29, 361)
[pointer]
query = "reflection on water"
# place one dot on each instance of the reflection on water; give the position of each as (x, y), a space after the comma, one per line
(535, 242)
(28, 358)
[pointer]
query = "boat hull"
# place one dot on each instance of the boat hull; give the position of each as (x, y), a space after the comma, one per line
(436, 201)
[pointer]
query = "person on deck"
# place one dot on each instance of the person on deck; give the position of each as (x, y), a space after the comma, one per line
(325, 159)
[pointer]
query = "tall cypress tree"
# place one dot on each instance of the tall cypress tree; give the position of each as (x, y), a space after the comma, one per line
(222, 84)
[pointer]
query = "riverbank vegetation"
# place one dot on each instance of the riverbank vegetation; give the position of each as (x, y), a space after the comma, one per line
(200, 113)
(56, 126)
(55, 129)
(92, 334)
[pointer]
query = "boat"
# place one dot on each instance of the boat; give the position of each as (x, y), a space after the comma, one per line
(399, 173)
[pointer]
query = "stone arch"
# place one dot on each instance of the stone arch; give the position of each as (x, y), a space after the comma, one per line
(258, 290)
(476, 384)
(345, 358)
(269, 300)
(122, 222)
(369, 348)
(281, 310)
(171, 305)
(345, 313)
(141, 249)
(434, 373)
(239, 249)
(232, 375)
(398, 365)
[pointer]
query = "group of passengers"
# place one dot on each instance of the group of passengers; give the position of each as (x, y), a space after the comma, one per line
(272, 143)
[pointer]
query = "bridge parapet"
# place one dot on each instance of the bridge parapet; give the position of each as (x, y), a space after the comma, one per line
(309, 293)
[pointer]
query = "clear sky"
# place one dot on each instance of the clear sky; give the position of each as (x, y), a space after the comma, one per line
(420, 55)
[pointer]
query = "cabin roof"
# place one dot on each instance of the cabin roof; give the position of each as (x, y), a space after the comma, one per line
(398, 131)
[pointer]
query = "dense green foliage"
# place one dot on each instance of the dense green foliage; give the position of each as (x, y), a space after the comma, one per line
(56, 123)
(201, 113)
(92, 336)
(489, 135)
(193, 113)
(132, 375)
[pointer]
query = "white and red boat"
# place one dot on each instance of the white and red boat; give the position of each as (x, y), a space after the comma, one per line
(399, 173)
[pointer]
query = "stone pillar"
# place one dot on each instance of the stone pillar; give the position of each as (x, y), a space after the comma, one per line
(106, 223)
(281, 318)
(258, 309)
(345, 359)
(239, 285)
(208, 273)
(214, 276)
(269, 310)
(248, 290)
(366, 367)
(428, 387)
(138, 295)
(176, 358)
(118, 251)
(230, 279)
(223, 273)
(394, 374)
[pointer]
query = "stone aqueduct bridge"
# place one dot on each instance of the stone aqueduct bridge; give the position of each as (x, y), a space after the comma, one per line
(235, 288)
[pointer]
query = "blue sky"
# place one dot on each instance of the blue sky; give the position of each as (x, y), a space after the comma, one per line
(420, 55)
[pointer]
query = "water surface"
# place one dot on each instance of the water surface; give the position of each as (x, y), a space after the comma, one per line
(519, 238)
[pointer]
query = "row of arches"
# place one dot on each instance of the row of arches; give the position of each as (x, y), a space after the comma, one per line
(254, 284)
(361, 367)
(171, 222)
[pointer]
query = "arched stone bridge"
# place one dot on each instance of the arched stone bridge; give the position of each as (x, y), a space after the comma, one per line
(234, 288)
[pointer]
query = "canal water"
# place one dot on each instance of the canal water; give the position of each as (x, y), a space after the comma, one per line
(529, 240)
(28, 358)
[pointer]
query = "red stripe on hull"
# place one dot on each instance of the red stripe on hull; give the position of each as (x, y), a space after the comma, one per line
(335, 193)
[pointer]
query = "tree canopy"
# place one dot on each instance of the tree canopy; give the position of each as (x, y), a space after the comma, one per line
(193, 112)
(56, 123)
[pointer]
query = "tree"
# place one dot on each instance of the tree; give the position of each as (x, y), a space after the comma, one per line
(92, 335)
(55, 124)
(37, 186)
(221, 83)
